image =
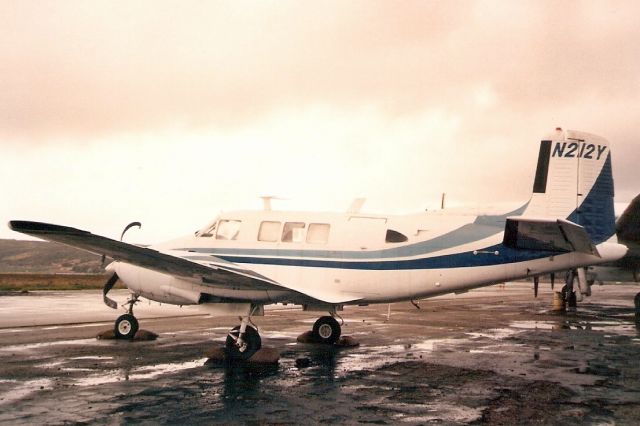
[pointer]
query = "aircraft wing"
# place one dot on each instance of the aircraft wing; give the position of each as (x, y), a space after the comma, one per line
(547, 234)
(216, 271)
(219, 272)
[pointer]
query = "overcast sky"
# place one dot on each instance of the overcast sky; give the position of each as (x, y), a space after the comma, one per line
(169, 112)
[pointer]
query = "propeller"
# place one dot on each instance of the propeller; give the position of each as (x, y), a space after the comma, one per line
(107, 287)
(126, 228)
(536, 282)
(114, 278)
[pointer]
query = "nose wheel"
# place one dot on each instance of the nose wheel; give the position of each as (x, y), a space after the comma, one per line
(126, 325)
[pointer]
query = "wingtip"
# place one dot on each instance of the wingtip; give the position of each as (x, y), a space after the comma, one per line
(30, 227)
(14, 225)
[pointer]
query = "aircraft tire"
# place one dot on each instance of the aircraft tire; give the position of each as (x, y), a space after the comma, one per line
(569, 297)
(252, 343)
(326, 330)
(126, 326)
(636, 302)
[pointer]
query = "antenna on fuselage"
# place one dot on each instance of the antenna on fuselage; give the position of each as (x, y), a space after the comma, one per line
(266, 201)
(356, 205)
(444, 194)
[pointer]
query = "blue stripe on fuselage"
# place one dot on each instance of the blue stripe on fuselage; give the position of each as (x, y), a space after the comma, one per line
(484, 257)
(483, 227)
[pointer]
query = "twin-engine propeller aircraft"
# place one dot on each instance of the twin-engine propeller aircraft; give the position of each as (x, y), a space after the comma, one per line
(245, 260)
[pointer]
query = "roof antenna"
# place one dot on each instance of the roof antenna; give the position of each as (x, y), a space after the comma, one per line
(356, 205)
(266, 201)
(444, 194)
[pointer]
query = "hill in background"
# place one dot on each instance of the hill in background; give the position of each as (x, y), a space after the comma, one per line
(46, 257)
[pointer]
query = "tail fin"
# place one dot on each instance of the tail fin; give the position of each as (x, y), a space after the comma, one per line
(574, 182)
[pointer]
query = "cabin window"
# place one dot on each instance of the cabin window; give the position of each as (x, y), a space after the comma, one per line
(228, 230)
(318, 233)
(269, 231)
(395, 237)
(293, 232)
(208, 231)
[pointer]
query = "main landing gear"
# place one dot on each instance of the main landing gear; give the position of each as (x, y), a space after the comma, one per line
(326, 330)
(126, 325)
(243, 341)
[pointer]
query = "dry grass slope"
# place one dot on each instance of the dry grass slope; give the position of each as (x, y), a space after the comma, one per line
(45, 257)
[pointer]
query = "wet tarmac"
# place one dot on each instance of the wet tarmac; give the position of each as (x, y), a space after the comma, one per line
(495, 356)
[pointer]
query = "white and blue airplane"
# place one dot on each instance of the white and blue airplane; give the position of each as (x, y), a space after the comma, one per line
(244, 260)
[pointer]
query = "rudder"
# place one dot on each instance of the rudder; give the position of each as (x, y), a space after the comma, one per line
(574, 180)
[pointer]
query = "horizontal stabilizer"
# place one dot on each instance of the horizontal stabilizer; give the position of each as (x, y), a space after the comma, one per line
(547, 235)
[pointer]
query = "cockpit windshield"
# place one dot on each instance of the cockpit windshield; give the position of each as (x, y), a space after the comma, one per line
(209, 230)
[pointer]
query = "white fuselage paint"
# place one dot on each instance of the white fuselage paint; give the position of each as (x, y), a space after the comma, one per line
(377, 259)
(444, 234)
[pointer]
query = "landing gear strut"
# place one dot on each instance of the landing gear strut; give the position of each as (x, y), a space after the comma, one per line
(569, 297)
(326, 330)
(243, 341)
(126, 325)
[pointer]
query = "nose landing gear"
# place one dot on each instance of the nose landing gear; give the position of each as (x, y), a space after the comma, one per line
(126, 325)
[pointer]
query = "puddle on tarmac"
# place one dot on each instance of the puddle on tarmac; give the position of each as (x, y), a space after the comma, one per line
(283, 335)
(140, 373)
(50, 364)
(150, 372)
(494, 333)
(93, 324)
(30, 346)
(95, 357)
(18, 390)
(534, 325)
(511, 348)
(438, 412)
(615, 327)
(435, 344)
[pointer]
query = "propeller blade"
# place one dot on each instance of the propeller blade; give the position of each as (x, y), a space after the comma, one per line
(107, 287)
(536, 282)
(553, 279)
(126, 228)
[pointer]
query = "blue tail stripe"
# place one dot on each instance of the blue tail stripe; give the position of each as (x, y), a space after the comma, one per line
(596, 213)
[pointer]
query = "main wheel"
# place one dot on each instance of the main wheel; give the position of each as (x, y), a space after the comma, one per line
(250, 345)
(326, 330)
(569, 297)
(126, 326)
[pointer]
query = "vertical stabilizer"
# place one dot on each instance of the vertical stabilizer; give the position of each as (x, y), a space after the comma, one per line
(574, 181)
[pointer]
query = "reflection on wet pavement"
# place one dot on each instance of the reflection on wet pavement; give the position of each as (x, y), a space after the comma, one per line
(453, 362)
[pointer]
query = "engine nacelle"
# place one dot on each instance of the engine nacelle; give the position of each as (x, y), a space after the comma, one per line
(158, 286)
